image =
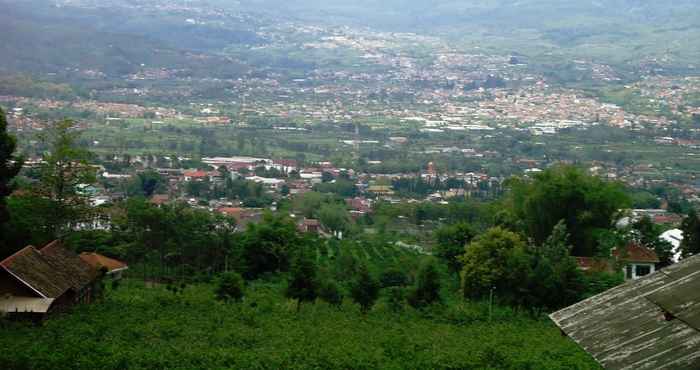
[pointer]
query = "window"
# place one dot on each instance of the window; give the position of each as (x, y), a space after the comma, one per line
(642, 270)
(628, 272)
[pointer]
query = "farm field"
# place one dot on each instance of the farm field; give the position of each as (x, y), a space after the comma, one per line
(135, 327)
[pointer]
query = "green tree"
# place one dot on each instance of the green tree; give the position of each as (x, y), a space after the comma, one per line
(496, 259)
(451, 241)
(329, 292)
(585, 203)
(9, 167)
(302, 284)
(146, 184)
(427, 288)
(393, 277)
(31, 222)
(555, 280)
(230, 287)
(334, 217)
(65, 173)
(284, 190)
(364, 289)
(690, 245)
(268, 245)
(648, 234)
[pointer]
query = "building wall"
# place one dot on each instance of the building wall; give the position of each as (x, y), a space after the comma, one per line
(631, 270)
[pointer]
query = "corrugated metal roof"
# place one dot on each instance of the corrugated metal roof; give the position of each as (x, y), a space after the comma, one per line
(650, 323)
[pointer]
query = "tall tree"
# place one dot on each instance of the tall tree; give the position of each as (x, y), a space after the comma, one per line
(65, 173)
(451, 241)
(585, 203)
(497, 260)
(690, 245)
(9, 166)
(427, 289)
(365, 289)
(302, 284)
(555, 280)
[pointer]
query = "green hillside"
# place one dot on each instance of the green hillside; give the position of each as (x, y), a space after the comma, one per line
(151, 328)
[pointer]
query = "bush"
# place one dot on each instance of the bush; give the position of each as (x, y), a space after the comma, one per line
(302, 284)
(330, 292)
(393, 277)
(427, 288)
(230, 287)
(396, 299)
(365, 289)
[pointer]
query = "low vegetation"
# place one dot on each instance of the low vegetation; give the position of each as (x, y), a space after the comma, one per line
(153, 328)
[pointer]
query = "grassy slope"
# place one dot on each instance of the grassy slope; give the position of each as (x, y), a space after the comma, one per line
(138, 328)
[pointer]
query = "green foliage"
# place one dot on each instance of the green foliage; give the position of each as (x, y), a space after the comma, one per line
(451, 241)
(341, 187)
(334, 217)
(269, 245)
(146, 184)
(690, 245)
(329, 292)
(393, 277)
(396, 298)
(175, 238)
(302, 283)
(65, 173)
(9, 167)
(149, 328)
(495, 259)
(539, 277)
(32, 222)
(230, 287)
(554, 280)
(427, 288)
(584, 202)
(648, 235)
(598, 282)
(364, 289)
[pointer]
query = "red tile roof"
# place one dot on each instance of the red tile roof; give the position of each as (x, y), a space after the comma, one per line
(195, 174)
(636, 253)
(593, 264)
(99, 261)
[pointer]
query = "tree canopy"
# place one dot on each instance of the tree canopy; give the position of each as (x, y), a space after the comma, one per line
(585, 203)
(9, 166)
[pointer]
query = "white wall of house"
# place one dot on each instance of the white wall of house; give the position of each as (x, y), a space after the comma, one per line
(634, 271)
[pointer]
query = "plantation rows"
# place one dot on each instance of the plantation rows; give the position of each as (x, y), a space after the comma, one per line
(370, 253)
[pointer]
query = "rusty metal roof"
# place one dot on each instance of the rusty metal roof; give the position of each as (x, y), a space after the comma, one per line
(650, 323)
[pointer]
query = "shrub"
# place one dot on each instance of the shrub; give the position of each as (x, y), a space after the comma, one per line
(302, 284)
(365, 289)
(330, 292)
(427, 288)
(393, 277)
(230, 287)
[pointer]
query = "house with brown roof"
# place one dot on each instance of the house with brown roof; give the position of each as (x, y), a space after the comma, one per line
(35, 282)
(636, 260)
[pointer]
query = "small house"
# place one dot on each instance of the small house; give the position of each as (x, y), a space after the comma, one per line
(35, 282)
(636, 260)
(310, 225)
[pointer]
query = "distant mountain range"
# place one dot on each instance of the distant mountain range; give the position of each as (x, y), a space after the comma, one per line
(117, 37)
